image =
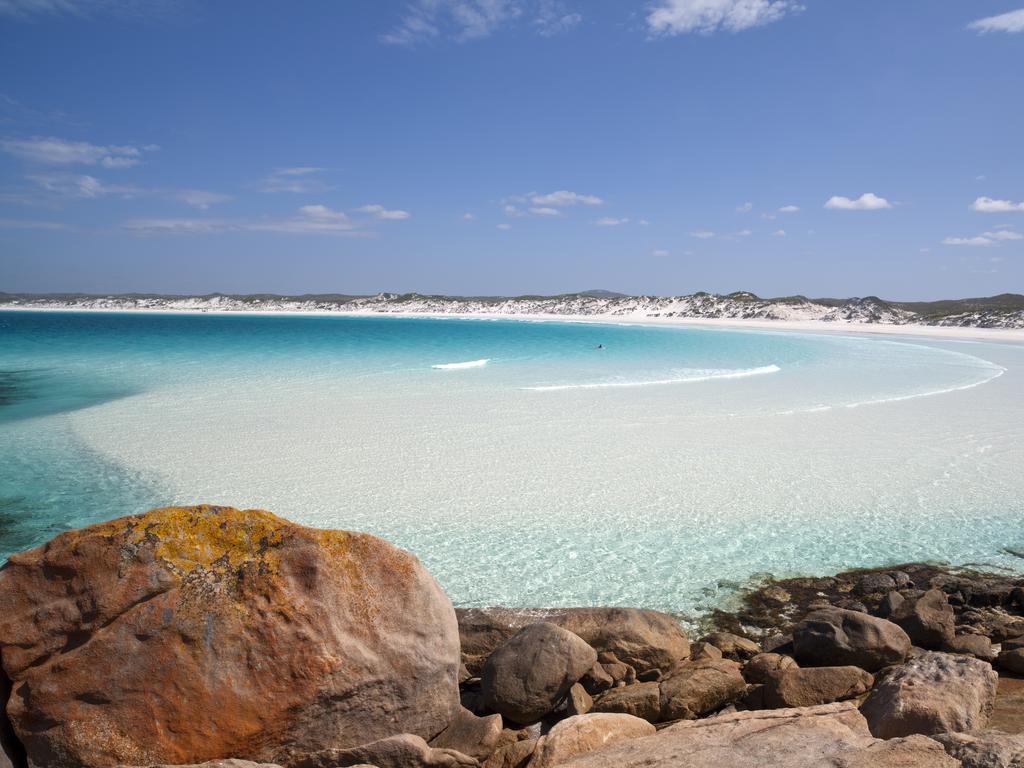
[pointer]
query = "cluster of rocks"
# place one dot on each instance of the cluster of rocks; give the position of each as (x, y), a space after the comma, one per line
(207, 635)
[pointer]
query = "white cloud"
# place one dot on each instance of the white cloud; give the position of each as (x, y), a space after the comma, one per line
(985, 238)
(309, 219)
(298, 179)
(468, 217)
(512, 212)
(679, 17)
(546, 212)
(661, 252)
(563, 197)
(459, 20)
(703, 234)
(504, 226)
(644, 223)
(745, 208)
(29, 224)
(779, 233)
(866, 202)
(988, 205)
(1005, 22)
(49, 150)
(554, 18)
(743, 233)
(200, 199)
(609, 221)
(789, 209)
(80, 186)
(382, 213)
(25, 9)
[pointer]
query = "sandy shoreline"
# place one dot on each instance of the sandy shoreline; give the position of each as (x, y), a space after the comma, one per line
(934, 332)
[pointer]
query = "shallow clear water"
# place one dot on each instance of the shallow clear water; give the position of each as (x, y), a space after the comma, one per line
(526, 463)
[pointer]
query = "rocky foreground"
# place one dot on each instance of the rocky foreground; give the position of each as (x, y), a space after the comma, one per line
(209, 635)
(1004, 311)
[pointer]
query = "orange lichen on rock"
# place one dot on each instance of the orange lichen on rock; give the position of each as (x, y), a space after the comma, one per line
(194, 633)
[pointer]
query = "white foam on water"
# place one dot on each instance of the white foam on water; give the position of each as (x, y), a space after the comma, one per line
(900, 398)
(460, 366)
(690, 378)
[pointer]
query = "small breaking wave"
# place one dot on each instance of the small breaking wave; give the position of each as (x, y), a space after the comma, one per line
(690, 378)
(460, 366)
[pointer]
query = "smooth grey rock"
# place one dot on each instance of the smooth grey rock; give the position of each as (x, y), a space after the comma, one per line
(927, 620)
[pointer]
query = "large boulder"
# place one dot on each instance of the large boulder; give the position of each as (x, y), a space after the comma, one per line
(585, 733)
(533, 671)
(641, 638)
(405, 750)
(928, 620)
(471, 735)
(758, 669)
(191, 634)
(830, 736)
(984, 749)
(838, 637)
(697, 688)
(811, 686)
(933, 693)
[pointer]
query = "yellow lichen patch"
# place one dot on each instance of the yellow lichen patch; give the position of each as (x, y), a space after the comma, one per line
(208, 537)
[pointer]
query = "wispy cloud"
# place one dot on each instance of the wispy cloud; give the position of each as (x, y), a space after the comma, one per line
(199, 198)
(73, 185)
(29, 224)
(308, 220)
(1011, 22)
(384, 214)
(542, 211)
(610, 221)
(49, 150)
(554, 18)
(26, 9)
(459, 20)
(705, 17)
(660, 252)
(789, 209)
(779, 233)
(988, 205)
(866, 202)
(503, 226)
(703, 234)
(745, 208)
(300, 179)
(985, 238)
(564, 197)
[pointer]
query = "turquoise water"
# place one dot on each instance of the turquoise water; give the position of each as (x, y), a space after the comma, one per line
(525, 463)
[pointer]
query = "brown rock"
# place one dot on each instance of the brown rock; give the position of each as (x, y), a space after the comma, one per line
(830, 736)
(733, 646)
(911, 752)
(585, 733)
(984, 749)
(928, 620)
(1012, 661)
(641, 638)
(596, 680)
(641, 700)
(978, 646)
(703, 651)
(471, 735)
(620, 672)
(578, 702)
(697, 688)
(837, 637)
(229, 763)
(514, 755)
(191, 634)
(812, 686)
(403, 751)
(531, 672)
(758, 668)
(933, 693)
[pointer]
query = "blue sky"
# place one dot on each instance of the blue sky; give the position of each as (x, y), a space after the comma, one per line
(823, 147)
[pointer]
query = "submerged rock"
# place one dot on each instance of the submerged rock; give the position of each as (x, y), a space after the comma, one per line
(933, 693)
(198, 633)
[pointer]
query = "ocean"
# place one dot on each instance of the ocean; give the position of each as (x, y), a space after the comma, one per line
(526, 463)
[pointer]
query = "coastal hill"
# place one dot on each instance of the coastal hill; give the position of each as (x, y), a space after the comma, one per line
(1002, 311)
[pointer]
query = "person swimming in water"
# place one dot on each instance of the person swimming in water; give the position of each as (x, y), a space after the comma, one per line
(600, 346)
